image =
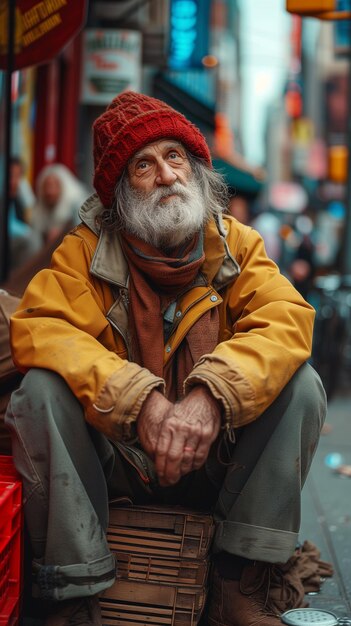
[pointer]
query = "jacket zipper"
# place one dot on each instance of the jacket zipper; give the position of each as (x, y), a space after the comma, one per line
(180, 339)
(144, 477)
(139, 455)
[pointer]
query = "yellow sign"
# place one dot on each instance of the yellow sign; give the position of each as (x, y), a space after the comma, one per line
(303, 131)
(322, 9)
(338, 158)
(309, 7)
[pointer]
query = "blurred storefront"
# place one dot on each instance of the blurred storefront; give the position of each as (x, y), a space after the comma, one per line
(131, 44)
(45, 79)
(307, 133)
(187, 53)
(188, 57)
(39, 87)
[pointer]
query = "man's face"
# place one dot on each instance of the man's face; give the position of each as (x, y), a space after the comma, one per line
(163, 203)
(51, 190)
(160, 163)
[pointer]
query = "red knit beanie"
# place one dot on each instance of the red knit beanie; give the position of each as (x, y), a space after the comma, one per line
(131, 121)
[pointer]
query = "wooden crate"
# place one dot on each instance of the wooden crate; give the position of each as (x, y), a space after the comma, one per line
(161, 566)
(160, 532)
(138, 603)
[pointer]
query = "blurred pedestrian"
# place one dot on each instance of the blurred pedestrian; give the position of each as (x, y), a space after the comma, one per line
(328, 235)
(23, 242)
(268, 225)
(239, 208)
(59, 196)
(303, 268)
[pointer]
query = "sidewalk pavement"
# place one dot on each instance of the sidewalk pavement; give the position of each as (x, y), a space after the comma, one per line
(326, 510)
(326, 507)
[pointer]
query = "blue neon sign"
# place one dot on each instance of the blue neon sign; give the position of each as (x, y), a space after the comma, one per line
(342, 30)
(188, 33)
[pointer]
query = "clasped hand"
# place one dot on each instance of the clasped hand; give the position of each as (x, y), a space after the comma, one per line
(178, 436)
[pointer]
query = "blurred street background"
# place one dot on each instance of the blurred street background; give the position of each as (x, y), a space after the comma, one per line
(270, 89)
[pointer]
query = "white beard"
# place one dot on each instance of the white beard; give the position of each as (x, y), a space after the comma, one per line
(168, 223)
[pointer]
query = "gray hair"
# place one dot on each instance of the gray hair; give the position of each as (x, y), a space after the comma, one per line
(212, 184)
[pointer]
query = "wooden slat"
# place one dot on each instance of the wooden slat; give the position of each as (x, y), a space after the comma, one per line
(142, 535)
(145, 594)
(116, 614)
(155, 518)
(148, 542)
(152, 569)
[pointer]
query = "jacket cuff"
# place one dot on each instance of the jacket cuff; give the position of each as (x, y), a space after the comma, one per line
(193, 380)
(118, 404)
(236, 395)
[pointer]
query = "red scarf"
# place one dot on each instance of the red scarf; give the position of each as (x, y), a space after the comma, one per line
(155, 281)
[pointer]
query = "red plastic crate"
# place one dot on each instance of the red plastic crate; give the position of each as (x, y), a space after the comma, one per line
(10, 613)
(11, 543)
(7, 468)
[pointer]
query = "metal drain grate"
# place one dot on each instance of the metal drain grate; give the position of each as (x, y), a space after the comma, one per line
(312, 617)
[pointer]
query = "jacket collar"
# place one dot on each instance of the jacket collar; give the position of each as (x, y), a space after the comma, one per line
(108, 262)
(220, 267)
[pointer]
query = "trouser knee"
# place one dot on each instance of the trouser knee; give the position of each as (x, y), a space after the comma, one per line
(308, 396)
(43, 398)
(307, 412)
(308, 387)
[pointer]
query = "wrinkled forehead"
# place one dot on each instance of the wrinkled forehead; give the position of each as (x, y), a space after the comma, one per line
(160, 146)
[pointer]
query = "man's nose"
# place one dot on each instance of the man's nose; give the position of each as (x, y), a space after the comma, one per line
(165, 174)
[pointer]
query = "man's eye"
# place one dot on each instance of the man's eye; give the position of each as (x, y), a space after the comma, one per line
(142, 165)
(174, 156)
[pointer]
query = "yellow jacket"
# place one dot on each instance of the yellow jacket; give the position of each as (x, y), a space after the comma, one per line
(73, 319)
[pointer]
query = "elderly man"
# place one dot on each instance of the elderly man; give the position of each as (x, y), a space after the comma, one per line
(165, 359)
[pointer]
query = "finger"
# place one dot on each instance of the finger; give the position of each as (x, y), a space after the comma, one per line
(180, 458)
(161, 451)
(189, 452)
(201, 453)
(169, 450)
(174, 459)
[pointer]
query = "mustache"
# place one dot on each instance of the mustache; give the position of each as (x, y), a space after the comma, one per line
(164, 191)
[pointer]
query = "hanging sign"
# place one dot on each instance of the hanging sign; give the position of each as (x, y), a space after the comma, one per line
(111, 64)
(42, 29)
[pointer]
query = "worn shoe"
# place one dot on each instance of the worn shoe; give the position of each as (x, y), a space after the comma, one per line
(76, 612)
(259, 598)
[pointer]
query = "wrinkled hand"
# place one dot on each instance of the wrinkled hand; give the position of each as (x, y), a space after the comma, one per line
(152, 413)
(186, 434)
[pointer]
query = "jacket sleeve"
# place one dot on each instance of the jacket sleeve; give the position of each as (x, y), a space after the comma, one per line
(59, 326)
(268, 335)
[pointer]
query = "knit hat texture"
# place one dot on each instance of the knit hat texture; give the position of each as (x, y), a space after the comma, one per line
(131, 121)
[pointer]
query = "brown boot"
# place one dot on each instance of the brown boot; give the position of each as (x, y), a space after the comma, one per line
(259, 598)
(76, 612)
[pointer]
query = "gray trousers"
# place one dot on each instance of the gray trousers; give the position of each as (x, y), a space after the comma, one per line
(70, 470)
